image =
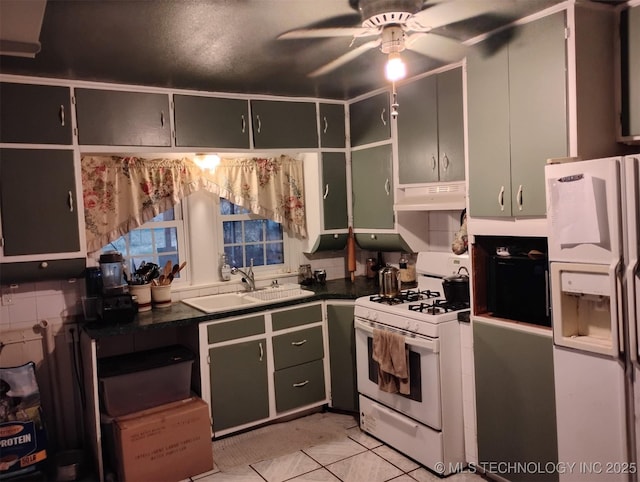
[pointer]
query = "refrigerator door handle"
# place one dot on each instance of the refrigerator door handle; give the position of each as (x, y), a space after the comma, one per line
(617, 275)
(631, 277)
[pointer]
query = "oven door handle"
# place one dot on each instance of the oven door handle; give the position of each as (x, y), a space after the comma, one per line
(426, 343)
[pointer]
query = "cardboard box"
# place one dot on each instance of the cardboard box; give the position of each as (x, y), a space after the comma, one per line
(168, 443)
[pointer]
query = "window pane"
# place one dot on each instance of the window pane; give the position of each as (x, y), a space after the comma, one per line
(234, 255)
(255, 251)
(168, 215)
(253, 230)
(119, 244)
(225, 206)
(275, 253)
(232, 232)
(274, 231)
(140, 241)
(166, 239)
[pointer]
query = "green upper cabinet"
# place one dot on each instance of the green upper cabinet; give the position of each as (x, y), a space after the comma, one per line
(372, 193)
(284, 124)
(332, 123)
(334, 190)
(35, 114)
(517, 118)
(369, 120)
(211, 122)
(431, 129)
(119, 118)
(630, 61)
(38, 202)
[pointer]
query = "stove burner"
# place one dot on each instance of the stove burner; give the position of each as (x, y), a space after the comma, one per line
(408, 296)
(438, 306)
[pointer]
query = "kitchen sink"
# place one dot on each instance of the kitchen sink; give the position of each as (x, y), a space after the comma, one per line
(246, 299)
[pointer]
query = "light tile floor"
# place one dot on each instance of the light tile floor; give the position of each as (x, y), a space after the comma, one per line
(356, 458)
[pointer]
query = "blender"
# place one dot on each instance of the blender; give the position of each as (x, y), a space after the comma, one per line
(115, 303)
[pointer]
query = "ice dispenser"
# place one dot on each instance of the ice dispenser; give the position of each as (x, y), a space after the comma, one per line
(584, 300)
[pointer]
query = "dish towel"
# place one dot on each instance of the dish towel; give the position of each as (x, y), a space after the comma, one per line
(393, 364)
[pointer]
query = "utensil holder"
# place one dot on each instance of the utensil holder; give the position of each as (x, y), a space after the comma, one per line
(161, 296)
(143, 294)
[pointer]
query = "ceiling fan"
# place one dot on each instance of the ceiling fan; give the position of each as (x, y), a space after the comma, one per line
(397, 25)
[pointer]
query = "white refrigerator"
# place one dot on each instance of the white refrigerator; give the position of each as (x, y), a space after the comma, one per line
(592, 215)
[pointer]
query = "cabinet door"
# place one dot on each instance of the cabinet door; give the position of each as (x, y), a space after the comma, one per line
(631, 66)
(538, 103)
(450, 126)
(239, 384)
(284, 124)
(38, 202)
(35, 114)
(369, 120)
(334, 190)
(418, 131)
(515, 398)
(488, 132)
(211, 122)
(118, 118)
(342, 357)
(371, 179)
(332, 120)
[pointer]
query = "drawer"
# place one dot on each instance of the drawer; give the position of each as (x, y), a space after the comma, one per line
(299, 386)
(298, 347)
(230, 330)
(296, 317)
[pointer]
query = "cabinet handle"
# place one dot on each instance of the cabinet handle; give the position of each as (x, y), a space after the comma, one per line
(335, 236)
(298, 343)
(434, 163)
(387, 187)
(519, 198)
(326, 191)
(244, 123)
(62, 115)
(44, 265)
(384, 121)
(445, 162)
(501, 198)
(162, 118)
(326, 124)
(261, 351)
(70, 202)
(259, 123)
(300, 384)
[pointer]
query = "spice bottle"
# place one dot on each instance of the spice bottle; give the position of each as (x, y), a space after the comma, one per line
(225, 269)
(407, 268)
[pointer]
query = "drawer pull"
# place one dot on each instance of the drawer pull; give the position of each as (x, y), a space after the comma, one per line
(300, 384)
(326, 125)
(298, 343)
(244, 123)
(261, 351)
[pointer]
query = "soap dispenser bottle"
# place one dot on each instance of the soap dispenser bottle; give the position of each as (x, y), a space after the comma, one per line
(225, 269)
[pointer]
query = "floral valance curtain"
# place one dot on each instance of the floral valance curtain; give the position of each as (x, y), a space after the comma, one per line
(122, 193)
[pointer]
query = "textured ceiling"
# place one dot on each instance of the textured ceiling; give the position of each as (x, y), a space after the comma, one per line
(222, 45)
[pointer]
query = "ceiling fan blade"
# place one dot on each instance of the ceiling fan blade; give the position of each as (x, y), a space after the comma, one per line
(436, 46)
(453, 11)
(343, 59)
(328, 32)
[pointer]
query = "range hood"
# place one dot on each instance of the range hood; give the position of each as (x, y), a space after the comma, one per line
(434, 197)
(20, 24)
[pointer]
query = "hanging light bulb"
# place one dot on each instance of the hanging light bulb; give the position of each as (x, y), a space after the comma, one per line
(395, 68)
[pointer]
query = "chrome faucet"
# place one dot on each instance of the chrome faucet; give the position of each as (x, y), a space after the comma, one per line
(248, 276)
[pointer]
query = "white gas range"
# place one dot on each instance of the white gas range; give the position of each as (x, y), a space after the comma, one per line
(426, 424)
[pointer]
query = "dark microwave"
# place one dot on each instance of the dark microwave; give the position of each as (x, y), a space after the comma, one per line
(518, 289)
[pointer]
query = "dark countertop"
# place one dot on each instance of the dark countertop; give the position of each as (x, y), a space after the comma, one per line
(180, 314)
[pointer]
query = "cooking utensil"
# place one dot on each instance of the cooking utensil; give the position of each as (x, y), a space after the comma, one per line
(389, 278)
(175, 270)
(351, 254)
(456, 287)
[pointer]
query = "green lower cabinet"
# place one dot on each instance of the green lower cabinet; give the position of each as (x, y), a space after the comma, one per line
(342, 357)
(239, 384)
(299, 385)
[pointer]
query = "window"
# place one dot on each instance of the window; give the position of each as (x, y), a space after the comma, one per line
(247, 237)
(157, 241)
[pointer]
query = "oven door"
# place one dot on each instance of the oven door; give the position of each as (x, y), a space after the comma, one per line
(423, 403)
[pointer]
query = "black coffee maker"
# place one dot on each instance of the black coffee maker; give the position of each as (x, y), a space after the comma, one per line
(115, 304)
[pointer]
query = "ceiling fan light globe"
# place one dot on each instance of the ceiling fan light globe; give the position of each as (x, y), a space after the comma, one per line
(395, 69)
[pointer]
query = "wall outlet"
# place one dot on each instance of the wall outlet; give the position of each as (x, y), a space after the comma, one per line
(7, 297)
